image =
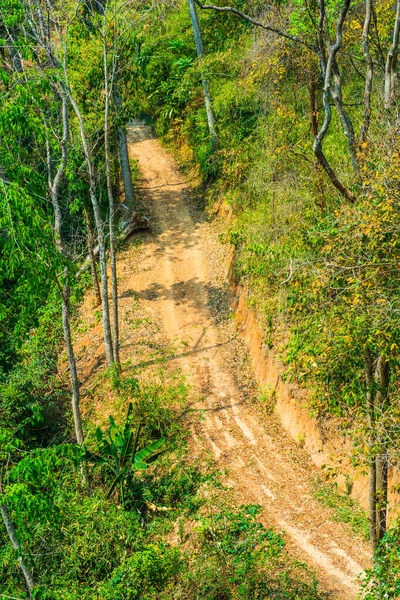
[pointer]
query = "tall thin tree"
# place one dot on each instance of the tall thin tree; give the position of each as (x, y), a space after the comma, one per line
(206, 86)
(109, 82)
(54, 188)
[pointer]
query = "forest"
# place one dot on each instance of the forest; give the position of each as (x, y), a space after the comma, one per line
(157, 158)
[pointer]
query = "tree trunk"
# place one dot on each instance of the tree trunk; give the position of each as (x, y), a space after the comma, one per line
(104, 278)
(372, 503)
(12, 47)
(114, 290)
(71, 360)
(391, 62)
(46, 44)
(313, 104)
(100, 234)
(30, 584)
(206, 87)
(111, 203)
(370, 406)
(65, 291)
(313, 110)
(381, 493)
(323, 161)
(382, 377)
(15, 57)
(129, 201)
(93, 266)
(346, 122)
(327, 69)
(117, 179)
(369, 71)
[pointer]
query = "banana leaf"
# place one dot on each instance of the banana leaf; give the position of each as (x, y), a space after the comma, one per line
(115, 483)
(146, 452)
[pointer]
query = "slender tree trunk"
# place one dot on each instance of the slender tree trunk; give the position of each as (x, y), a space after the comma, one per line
(100, 234)
(382, 376)
(129, 201)
(93, 266)
(108, 157)
(391, 62)
(117, 179)
(54, 187)
(30, 584)
(44, 39)
(206, 87)
(12, 534)
(66, 318)
(313, 109)
(114, 290)
(381, 493)
(346, 122)
(313, 104)
(323, 161)
(370, 406)
(369, 71)
(16, 58)
(372, 504)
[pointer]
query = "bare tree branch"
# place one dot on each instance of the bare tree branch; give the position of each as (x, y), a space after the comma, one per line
(327, 68)
(243, 15)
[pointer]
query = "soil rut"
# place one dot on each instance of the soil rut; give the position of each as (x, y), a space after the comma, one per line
(176, 281)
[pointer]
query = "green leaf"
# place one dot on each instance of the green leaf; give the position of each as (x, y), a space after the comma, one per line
(115, 483)
(140, 466)
(149, 450)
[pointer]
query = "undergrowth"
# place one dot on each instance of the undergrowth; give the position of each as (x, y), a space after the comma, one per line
(345, 508)
(81, 544)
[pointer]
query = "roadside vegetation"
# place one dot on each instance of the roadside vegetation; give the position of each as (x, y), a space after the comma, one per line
(318, 256)
(300, 137)
(146, 513)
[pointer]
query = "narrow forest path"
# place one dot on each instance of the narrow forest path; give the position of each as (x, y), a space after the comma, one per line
(179, 279)
(176, 279)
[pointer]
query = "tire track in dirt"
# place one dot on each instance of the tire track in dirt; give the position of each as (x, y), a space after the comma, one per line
(264, 465)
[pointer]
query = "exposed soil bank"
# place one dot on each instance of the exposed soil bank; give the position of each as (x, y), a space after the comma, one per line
(327, 446)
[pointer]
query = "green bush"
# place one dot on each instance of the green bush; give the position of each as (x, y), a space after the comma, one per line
(382, 581)
(144, 575)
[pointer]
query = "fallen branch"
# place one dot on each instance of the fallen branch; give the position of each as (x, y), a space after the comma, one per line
(138, 222)
(290, 274)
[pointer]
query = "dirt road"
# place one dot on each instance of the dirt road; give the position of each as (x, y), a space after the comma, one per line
(181, 274)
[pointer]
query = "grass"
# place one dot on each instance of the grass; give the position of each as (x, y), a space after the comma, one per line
(345, 508)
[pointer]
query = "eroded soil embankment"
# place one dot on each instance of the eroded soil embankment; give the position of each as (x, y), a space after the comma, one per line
(325, 442)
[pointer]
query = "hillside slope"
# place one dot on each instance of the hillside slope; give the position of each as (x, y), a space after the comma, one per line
(179, 276)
